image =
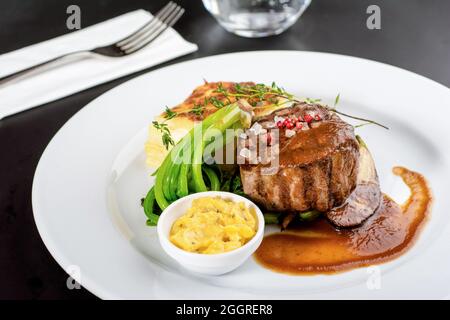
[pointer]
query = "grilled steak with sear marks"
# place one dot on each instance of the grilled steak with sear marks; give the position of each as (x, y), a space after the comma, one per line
(318, 165)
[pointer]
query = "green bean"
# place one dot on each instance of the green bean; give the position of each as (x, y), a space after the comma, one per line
(188, 138)
(173, 182)
(152, 221)
(159, 183)
(191, 185)
(182, 188)
(221, 125)
(161, 186)
(309, 215)
(271, 218)
(162, 171)
(177, 159)
(166, 186)
(219, 144)
(213, 179)
(180, 165)
(226, 185)
(149, 201)
(196, 167)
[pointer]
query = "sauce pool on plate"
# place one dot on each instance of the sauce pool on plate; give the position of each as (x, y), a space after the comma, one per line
(319, 248)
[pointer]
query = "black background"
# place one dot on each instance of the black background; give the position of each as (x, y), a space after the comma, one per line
(415, 35)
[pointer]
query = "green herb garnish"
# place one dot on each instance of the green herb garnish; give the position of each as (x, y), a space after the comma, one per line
(166, 135)
(336, 101)
(169, 114)
(261, 92)
(312, 101)
(216, 102)
(198, 109)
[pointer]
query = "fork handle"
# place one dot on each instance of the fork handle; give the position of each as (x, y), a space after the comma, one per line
(38, 68)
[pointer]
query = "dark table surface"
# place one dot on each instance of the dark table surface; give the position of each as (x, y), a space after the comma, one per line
(415, 35)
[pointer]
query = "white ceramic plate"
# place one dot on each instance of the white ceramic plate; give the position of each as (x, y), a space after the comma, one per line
(92, 175)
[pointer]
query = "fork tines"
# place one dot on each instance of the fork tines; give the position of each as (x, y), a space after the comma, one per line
(164, 19)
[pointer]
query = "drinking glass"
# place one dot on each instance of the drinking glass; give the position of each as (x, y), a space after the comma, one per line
(256, 18)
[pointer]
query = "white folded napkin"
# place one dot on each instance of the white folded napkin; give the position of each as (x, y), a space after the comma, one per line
(79, 75)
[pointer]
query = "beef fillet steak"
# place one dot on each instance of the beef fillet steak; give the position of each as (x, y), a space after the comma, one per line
(318, 162)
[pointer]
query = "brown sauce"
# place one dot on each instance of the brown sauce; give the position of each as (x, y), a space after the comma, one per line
(318, 248)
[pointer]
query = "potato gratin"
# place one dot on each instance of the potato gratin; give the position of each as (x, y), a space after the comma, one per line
(214, 225)
(180, 125)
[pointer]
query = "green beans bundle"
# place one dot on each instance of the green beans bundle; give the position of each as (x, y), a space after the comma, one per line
(183, 170)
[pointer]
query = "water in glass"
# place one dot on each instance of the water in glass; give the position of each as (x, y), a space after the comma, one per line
(256, 18)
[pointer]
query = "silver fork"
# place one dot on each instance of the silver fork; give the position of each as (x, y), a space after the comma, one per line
(164, 19)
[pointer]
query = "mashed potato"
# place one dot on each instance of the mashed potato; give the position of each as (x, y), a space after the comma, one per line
(214, 225)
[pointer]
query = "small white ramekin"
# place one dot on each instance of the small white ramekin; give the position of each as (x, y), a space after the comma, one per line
(210, 264)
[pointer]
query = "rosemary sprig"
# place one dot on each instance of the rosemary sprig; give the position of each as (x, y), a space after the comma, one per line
(167, 139)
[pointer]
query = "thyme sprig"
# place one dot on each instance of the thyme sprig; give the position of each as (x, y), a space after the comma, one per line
(261, 92)
(217, 103)
(167, 139)
(198, 109)
(162, 127)
(169, 114)
(220, 89)
(254, 94)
